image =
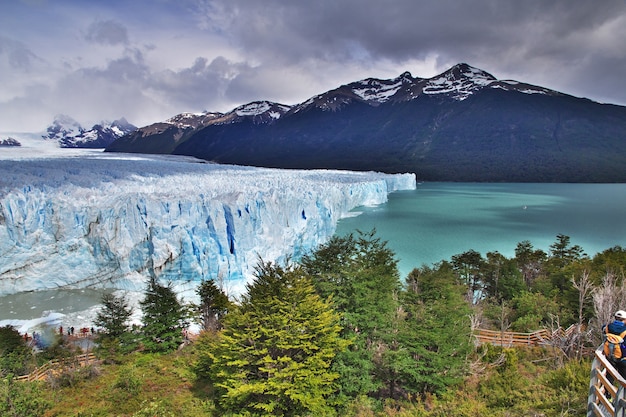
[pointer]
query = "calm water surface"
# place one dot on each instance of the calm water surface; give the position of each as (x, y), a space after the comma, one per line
(439, 220)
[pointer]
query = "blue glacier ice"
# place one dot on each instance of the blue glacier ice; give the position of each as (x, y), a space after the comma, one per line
(97, 220)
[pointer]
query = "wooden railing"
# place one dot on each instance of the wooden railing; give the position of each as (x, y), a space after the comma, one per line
(606, 389)
(510, 339)
(54, 365)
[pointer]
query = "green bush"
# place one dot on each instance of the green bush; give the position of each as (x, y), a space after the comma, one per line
(21, 399)
(128, 381)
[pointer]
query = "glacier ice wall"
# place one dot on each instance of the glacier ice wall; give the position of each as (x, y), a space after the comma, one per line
(110, 221)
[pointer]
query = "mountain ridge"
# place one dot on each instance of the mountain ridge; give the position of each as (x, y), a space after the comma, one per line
(461, 125)
(70, 134)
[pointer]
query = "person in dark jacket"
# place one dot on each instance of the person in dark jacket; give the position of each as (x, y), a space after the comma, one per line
(618, 326)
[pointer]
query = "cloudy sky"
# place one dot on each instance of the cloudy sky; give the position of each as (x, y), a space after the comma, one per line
(148, 60)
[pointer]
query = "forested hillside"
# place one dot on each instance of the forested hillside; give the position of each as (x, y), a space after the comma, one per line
(341, 333)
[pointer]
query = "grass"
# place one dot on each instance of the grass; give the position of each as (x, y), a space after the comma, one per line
(143, 384)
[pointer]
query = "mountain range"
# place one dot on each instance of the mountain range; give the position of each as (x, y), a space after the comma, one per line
(70, 134)
(461, 125)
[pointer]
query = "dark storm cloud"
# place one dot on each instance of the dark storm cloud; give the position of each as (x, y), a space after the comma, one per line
(151, 59)
(402, 29)
(107, 32)
(517, 38)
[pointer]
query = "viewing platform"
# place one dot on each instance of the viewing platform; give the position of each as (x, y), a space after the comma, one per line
(606, 389)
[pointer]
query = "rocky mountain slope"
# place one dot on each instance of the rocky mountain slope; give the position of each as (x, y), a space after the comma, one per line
(461, 125)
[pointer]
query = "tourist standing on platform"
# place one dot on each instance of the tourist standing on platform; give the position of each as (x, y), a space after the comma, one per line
(614, 344)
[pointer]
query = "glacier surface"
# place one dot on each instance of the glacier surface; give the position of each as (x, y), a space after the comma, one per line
(96, 220)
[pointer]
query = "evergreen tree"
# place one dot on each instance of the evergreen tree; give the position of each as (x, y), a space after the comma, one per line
(361, 275)
(115, 336)
(612, 260)
(214, 305)
(564, 262)
(163, 318)
(503, 280)
(11, 340)
(534, 311)
(469, 268)
(529, 261)
(275, 353)
(113, 317)
(14, 352)
(436, 332)
(561, 253)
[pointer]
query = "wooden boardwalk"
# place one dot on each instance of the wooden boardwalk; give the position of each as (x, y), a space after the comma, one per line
(55, 366)
(607, 389)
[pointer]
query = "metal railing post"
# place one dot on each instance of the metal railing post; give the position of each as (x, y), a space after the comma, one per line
(591, 398)
(619, 403)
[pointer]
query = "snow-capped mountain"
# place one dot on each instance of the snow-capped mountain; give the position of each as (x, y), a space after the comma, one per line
(10, 142)
(458, 83)
(70, 134)
(461, 125)
(109, 221)
(164, 137)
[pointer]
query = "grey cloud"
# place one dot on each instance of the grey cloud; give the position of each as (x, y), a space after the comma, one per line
(506, 38)
(403, 28)
(129, 68)
(107, 32)
(288, 51)
(17, 55)
(200, 86)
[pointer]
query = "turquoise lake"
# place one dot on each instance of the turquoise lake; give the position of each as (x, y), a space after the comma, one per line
(439, 220)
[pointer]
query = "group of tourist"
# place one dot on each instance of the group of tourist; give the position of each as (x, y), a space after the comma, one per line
(83, 331)
(35, 339)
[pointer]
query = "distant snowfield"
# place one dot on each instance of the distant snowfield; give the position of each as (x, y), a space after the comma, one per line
(72, 219)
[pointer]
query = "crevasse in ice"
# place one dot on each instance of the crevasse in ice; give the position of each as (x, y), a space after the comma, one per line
(109, 221)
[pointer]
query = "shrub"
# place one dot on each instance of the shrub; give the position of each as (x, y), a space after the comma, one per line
(128, 381)
(21, 399)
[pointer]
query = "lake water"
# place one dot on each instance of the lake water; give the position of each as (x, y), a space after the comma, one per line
(425, 226)
(439, 220)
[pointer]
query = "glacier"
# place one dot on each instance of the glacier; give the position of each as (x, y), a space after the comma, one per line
(110, 221)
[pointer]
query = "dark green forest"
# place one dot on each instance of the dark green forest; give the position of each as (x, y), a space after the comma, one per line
(339, 332)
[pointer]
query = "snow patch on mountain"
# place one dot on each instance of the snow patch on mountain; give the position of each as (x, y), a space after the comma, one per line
(260, 111)
(461, 81)
(375, 90)
(193, 120)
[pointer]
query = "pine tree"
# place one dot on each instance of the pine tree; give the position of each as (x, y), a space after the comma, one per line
(503, 279)
(14, 353)
(436, 331)
(275, 353)
(214, 305)
(469, 268)
(361, 275)
(529, 261)
(163, 318)
(113, 317)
